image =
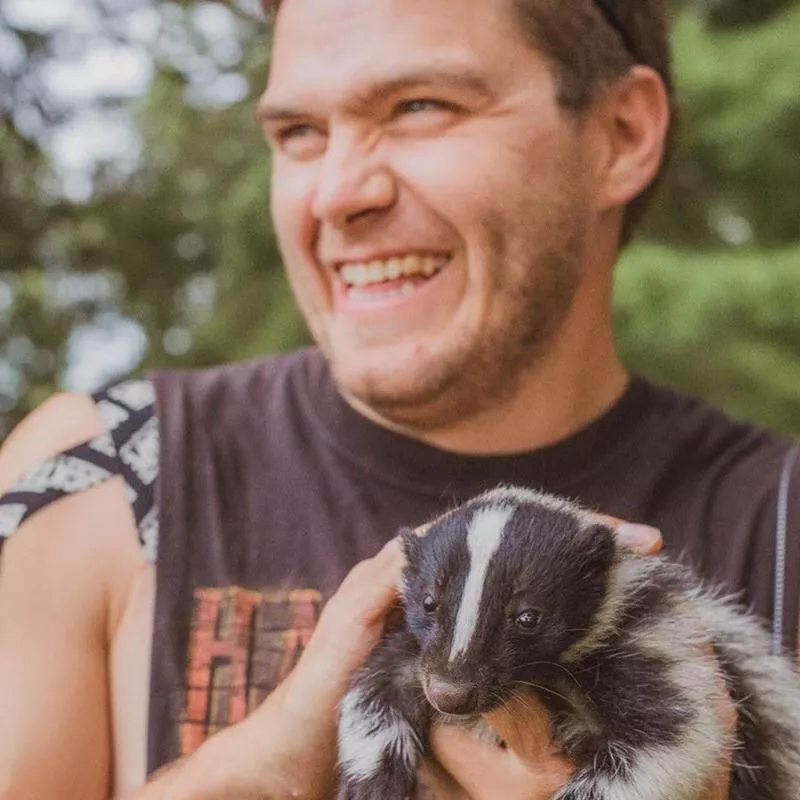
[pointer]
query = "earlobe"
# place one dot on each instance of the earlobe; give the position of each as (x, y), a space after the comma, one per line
(636, 120)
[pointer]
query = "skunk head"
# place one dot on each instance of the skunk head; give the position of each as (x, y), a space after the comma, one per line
(498, 590)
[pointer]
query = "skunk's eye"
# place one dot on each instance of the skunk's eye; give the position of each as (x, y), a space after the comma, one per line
(429, 604)
(528, 619)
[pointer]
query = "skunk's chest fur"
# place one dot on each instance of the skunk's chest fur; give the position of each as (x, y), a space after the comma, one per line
(521, 591)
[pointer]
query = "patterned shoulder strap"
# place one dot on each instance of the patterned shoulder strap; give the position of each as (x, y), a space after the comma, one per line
(129, 448)
(781, 546)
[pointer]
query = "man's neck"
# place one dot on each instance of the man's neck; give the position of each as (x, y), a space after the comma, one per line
(543, 412)
(575, 383)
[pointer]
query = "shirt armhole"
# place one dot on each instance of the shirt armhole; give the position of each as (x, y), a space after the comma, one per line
(128, 448)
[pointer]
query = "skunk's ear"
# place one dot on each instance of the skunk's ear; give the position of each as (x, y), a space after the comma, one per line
(598, 544)
(411, 544)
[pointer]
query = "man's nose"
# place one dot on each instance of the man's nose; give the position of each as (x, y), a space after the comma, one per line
(351, 185)
(451, 698)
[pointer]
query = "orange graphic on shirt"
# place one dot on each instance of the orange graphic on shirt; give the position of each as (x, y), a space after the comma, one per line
(241, 645)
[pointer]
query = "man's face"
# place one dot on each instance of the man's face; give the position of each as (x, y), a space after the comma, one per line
(430, 198)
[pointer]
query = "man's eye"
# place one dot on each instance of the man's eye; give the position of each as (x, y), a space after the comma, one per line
(300, 141)
(424, 104)
(294, 132)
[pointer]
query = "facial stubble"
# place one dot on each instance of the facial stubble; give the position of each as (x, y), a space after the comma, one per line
(486, 368)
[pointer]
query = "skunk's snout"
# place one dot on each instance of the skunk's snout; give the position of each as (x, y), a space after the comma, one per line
(451, 698)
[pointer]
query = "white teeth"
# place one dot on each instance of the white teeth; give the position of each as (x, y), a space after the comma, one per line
(355, 274)
(360, 295)
(394, 269)
(365, 274)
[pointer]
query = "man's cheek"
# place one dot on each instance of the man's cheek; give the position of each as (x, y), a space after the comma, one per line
(436, 178)
(291, 201)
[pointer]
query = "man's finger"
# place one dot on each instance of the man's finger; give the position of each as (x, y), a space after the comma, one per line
(643, 540)
(487, 772)
(391, 552)
(721, 791)
(438, 784)
(523, 724)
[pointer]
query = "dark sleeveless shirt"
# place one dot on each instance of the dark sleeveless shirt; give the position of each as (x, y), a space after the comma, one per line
(269, 487)
(272, 487)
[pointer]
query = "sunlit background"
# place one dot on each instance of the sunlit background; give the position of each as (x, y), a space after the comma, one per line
(134, 229)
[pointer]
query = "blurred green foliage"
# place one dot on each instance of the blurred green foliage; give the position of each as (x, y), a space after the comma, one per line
(177, 241)
(725, 326)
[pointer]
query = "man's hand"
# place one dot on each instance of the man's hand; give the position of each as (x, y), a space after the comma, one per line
(528, 768)
(287, 747)
(304, 747)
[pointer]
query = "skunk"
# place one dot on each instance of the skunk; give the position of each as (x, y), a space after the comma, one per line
(631, 656)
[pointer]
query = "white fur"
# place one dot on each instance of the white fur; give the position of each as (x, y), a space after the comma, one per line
(483, 540)
(682, 771)
(521, 496)
(368, 733)
(607, 617)
(775, 679)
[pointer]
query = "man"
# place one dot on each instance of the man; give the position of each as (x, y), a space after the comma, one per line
(452, 181)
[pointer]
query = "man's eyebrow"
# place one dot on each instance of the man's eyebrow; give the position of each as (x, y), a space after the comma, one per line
(265, 112)
(381, 88)
(458, 79)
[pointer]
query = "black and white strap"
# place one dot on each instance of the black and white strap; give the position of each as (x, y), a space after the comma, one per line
(781, 548)
(129, 447)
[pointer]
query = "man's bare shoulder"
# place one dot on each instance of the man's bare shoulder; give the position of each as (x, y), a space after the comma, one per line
(94, 531)
(63, 421)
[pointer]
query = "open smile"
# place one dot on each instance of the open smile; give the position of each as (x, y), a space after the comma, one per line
(378, 281)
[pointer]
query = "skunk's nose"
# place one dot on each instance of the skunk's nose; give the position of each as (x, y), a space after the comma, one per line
(451, 698)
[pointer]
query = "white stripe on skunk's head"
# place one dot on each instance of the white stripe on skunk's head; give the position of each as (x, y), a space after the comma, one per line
(498, 590)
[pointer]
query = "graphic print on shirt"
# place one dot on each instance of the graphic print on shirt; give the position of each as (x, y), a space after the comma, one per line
(242, 644)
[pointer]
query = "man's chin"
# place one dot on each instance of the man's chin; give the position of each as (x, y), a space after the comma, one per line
(400, 393)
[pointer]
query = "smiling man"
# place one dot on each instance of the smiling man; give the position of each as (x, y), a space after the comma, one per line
(441, 215)
(452, 183)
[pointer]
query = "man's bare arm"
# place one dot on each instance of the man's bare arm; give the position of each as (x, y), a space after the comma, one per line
(63, 578)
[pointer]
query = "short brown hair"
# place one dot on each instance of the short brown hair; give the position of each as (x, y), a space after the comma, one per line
(587, 52)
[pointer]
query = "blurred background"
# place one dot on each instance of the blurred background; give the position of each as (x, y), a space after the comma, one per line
(134, 228)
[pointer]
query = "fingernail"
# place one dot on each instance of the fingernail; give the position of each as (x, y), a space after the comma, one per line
(639, 538)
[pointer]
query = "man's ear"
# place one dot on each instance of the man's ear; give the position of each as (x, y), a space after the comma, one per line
(634, 115)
